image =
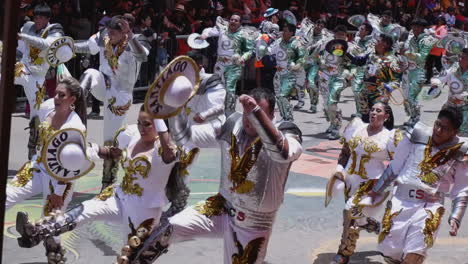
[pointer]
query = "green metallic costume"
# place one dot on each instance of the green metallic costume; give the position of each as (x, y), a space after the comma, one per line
(417, 49)
(311, 68)
(457, 82)
(234, 49)
(332, 80)
(360, 47)
(289, 62)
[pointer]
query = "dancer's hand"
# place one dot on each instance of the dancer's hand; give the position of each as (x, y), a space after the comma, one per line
(248, 103)
(197, 118)
(454, 228)
(115, 153)
(56, 201)
(125, 26)
(373, 195)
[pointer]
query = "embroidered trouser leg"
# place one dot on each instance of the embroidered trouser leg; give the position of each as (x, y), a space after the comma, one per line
(190, 224)
(335, 86)
(408, 227)
(230, 74)
(286, 82)
(22, 188)
(311, 85)
(412, 83)
(300, 84)
(34, 89)
(357, 86)
(116, 106)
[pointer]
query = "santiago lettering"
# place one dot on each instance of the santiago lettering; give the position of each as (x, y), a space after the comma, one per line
(52, 159)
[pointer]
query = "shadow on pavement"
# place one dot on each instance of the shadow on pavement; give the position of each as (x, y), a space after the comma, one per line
(357, 258)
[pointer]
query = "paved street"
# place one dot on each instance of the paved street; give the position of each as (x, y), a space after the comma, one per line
(304, 232)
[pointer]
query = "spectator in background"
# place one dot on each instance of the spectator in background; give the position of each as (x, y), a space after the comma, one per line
(450, 16)
(435, 55)
(235, 6)
(177, 24)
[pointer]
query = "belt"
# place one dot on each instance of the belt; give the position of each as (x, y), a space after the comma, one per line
(414, 194)
(250, 219)
(224, 59)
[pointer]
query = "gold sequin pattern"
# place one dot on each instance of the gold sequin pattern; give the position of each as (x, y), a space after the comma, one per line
(213, 206)
(432, 224)
(241, 166)
(370, 147)
(363, 189)
(398, 137)
(118, 110)
(111, 56)
(24, 175)
(387, 221)
(186, 159)
(353, 144)
(431, 162)
(106, 193)
(19, 69)
(45, 131)
(40, 95)
(139, 165)
(249, 253)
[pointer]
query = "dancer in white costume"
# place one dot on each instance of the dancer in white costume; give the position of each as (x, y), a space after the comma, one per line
(30, 71)
(366, 147)
(66, 112)
(235, 47)
(148, 158)
(206, 109)
(120, 54)
(426, 167)
(257, 155)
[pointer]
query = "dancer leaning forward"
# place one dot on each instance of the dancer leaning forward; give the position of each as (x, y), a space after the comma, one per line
(257, 153)
(154, 176)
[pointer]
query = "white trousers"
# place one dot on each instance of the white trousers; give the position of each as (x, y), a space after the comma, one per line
(38, 184)
(361, 213)
(406, 234)
(117, 211)
(190, 224)
(116, 106)
(31, 84)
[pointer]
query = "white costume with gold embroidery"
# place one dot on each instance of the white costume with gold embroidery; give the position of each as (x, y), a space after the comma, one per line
(120, 66)
(361, 163)
(209, 104)
(31, 70)
(249, 195)
(141, 195)
(413, 216)
(33, 178)
(366, 163)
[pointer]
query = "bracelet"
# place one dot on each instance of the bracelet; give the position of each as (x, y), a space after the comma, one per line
(256, 109)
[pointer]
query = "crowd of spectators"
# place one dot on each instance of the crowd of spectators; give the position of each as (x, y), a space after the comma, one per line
(162, 21)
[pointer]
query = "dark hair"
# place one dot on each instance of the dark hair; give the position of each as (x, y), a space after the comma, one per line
(390, 122)
(419, 22)
(340, 28)
(387, 13)
(236, 14)
(291, 27)
(369, 28)
(130, 19)
(261, 93)
(114, 23)
(453, 114)
(388, 40)
(321, 21)
(442, 18)
(465, 51)
(74, 87)
(142, 17)
(196, 56)
(42, 10)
